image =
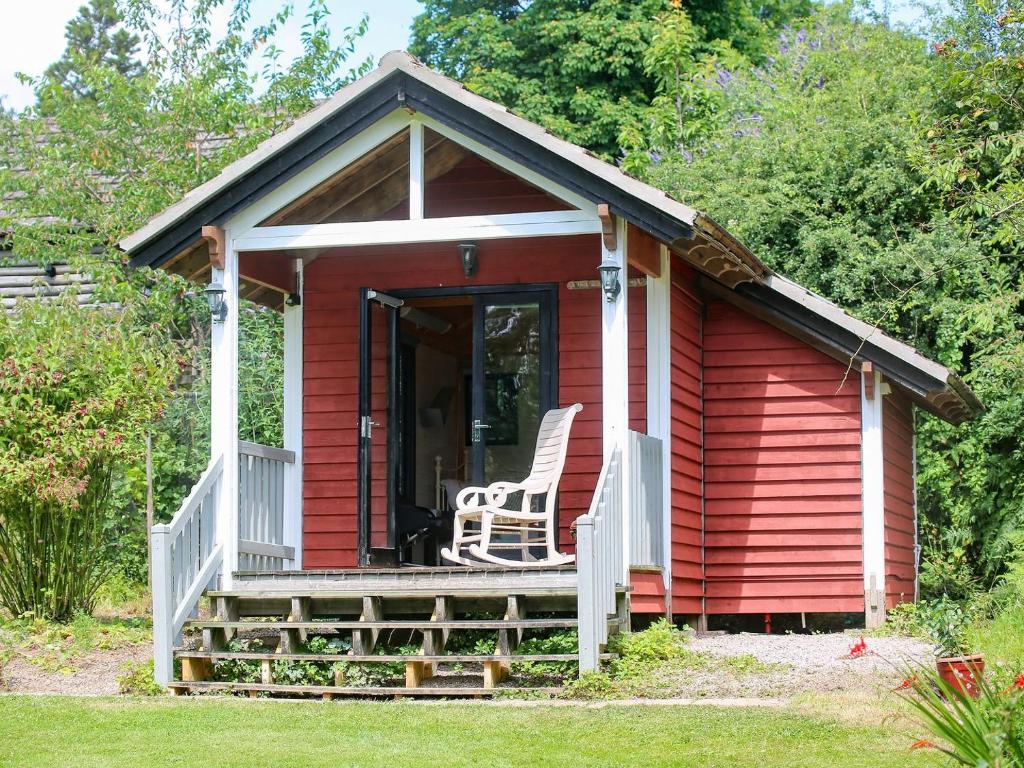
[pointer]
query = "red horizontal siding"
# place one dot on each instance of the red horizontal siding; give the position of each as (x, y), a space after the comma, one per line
(898, 484)
(331, 335)
(648, 595)
(783, 477)
(685, 343)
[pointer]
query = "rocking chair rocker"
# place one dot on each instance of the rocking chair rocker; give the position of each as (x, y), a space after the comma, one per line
(522, 529)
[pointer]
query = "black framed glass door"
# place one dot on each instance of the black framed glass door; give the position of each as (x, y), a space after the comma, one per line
(504, 376)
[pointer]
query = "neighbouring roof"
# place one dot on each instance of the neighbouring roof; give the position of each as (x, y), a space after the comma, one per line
(402, 81)
(23, 280)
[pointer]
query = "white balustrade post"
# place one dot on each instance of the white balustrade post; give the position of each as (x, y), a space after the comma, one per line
(292, 523)
(224, 409)
(586, 597)
(163, 605)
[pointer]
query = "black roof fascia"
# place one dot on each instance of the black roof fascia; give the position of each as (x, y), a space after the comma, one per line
(354, 117)
(547, 163)
(848, 342)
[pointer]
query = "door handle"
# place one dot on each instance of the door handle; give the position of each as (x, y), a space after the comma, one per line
(366, 425)
(477, 427)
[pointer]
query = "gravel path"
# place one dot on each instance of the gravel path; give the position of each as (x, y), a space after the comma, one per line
(95, 674)
(804, 663)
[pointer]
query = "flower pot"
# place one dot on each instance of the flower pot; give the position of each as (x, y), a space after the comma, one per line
(962, 673)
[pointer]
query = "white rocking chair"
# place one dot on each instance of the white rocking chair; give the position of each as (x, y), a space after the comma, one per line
(519, 529)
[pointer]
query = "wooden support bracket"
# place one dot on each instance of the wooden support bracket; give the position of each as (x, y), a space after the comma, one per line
(215, 239)
(607, 226)
(868, 372)
(195, 670)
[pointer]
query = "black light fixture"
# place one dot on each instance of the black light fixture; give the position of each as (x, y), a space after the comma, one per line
(293, 300)
(467, 252)
(215, 298)
(610, 283)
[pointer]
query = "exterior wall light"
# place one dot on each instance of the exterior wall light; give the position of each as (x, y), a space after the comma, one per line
(610, 282)
(467, 252)
(215, 298)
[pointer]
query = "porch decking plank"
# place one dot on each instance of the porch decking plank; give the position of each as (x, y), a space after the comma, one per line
(495, 624)
(383, 659)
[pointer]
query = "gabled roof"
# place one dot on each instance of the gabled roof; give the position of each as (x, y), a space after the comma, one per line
(400, 81)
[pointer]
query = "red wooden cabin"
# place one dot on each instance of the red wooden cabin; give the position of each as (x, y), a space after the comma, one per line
(436, 261)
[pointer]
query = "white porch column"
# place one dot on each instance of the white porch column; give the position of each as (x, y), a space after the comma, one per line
(615, 374)
(224, 409)
(293, 421)
(659, 397)
(873, 527)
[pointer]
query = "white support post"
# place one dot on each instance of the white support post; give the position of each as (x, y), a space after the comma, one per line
(293, 422)
(587, 599)
(163, 605)
(615, 374)
(659, 397)
(416, 171)
(224, 410)
(873, 527)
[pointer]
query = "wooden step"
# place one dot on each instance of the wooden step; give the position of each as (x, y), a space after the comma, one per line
(384, 658)
(331, 691)
(422, 624)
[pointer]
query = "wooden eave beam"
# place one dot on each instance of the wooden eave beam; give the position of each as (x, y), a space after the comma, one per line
(607, 218)
(643, 252)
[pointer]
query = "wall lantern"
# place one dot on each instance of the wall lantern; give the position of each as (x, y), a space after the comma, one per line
(467, 252)
(215, 298)
(610, 279)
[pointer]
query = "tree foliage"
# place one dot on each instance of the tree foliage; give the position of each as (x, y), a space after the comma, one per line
(577, 66)
(94, 37)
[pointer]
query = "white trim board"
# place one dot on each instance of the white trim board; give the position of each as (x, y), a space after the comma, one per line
(873, 490)
(659, 393)
(540, 224)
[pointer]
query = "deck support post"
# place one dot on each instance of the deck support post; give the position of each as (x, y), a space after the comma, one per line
(224, 409)
(873, 524)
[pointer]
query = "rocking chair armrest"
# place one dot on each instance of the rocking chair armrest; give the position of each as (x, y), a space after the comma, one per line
(494, 494)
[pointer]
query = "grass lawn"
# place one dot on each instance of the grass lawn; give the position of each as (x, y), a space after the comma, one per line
(214, 732)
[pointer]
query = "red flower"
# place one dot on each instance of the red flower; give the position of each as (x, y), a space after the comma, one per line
(906, 683)
(922, 744)
(1019, 682)
(858, 649)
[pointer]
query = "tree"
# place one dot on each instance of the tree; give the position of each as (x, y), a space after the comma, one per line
(95, 37)
(577, 66)
(100, 167)
(812, 165)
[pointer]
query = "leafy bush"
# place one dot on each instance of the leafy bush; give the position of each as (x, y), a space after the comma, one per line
(78, 387)
(556, 642)
(639, 651)
(590, 685)
(137, 680)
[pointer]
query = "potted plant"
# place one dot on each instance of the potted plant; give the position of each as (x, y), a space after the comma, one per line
(955, 664)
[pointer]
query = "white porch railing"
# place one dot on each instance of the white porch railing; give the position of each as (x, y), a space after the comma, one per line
(599, 561)
(646, 502)
(186, 559)
(261, 491)
(600, 557)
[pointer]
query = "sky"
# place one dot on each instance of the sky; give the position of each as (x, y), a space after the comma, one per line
(34, 34)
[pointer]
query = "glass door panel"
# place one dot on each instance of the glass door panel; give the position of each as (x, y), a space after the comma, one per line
(511, 385)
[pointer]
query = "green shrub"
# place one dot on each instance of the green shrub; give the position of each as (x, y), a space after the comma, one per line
(137, 680)
(590, 685)
(556, 642)
(78, 389)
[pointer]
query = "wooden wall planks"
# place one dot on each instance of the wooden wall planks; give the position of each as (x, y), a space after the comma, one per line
(782, 464)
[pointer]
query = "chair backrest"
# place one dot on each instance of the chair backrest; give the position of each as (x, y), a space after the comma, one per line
(552, 446)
